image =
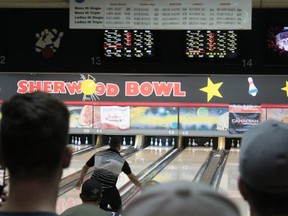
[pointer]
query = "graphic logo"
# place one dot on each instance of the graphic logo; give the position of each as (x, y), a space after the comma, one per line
(88, 87)
(252, 88)
(212, 89)
(48, 42)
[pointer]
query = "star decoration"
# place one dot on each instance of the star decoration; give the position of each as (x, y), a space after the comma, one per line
(212, 89)
(285, 88)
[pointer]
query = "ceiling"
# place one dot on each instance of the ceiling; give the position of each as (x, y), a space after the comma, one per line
(65, 3)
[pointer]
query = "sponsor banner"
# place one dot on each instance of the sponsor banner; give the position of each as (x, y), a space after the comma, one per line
(243, 117)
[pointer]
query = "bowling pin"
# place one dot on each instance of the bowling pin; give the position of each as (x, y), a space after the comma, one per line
(56, 43)
(86, 141)
(166, 143)
(160, 142)
(252, 88)
(211, 142)
(79, 141)
(232, 144)
(109, 140)
(173, 142)
(72, 140)
(151, 141)
(40, 44)
(131, 141)
(156, 142)
(194, 143)
(189, 142)
(48, 38)
(238, 144)
(124, 141)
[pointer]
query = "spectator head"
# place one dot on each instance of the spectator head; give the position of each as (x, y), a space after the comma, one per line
(34, 134)
(263, 166)
(91, 191)
(181, 198)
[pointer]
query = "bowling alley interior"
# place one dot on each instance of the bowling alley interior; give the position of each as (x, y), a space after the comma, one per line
(179, 83)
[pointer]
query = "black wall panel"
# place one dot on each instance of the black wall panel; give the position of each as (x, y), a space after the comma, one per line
(80, 50)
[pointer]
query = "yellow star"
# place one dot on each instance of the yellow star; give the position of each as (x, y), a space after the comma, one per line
(285, 88)
(212, 89)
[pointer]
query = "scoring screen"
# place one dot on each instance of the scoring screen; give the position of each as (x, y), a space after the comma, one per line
(128, 44)
(211, 44)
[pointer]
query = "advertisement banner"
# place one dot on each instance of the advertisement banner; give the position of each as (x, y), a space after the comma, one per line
(242, 117)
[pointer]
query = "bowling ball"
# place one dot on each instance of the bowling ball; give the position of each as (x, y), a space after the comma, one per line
(47, 52)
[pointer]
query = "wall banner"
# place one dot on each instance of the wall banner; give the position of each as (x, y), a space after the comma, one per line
(242, 117)
(224, 89)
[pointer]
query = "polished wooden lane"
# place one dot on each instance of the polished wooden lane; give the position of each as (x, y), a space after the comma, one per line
(138, 162)
(228, 184)
(185, 166)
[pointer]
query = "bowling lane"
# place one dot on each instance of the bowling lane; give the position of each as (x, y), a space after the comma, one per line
(79, 160)
(138, 162)
(228, 184)
(185, 166)
(141, 160)
(77, 148)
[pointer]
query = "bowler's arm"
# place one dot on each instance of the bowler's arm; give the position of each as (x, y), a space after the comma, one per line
(134, 179)
(84, 170)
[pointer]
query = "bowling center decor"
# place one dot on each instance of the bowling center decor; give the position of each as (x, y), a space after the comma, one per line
(184, 105)
(184, 82)
(179, 82)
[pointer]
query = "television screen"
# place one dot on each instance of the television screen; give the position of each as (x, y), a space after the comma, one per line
(216, 44)
(277, 44)
(128, 44)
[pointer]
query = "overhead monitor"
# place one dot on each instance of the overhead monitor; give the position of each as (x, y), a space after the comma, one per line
(211, 44)
(277, 44)
(128, 44)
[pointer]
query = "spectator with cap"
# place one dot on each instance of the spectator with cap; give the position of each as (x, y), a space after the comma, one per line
(91, 195)
(263, 166)
(180, 198)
